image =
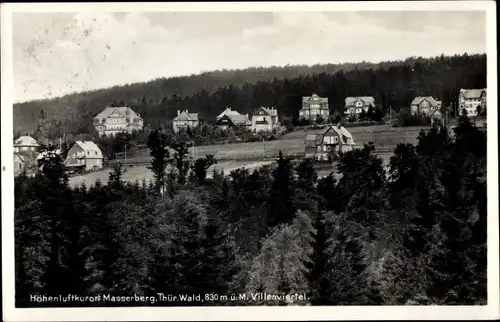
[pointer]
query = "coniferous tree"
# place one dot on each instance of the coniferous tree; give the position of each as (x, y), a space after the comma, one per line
(281, 208)
(218, 262)
(348, 276)
(200, 167)
(318, 266)
(331, 196)
(454, 273)
(363, 187)
(31, 241)
(158, 149)
(180, 160)
(306, 197)
(62, 223)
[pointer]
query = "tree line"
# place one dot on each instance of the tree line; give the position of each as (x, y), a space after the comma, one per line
(414, 233)
(392, 84)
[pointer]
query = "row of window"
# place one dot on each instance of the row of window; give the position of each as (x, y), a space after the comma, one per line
(315, 112)
(82, 161)
(325, 148)
(331, 139)
(81, 154)
(317, 106)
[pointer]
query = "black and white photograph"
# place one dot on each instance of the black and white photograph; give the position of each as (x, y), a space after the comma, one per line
(249, 161)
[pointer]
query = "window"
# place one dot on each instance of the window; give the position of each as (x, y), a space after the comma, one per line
(319, 148)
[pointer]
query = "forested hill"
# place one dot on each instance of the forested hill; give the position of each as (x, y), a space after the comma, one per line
(391, 83)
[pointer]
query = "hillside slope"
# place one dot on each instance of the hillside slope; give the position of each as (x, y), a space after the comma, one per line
(391, 83)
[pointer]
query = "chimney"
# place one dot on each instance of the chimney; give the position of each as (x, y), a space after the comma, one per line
(186, 111)
(178, 112)
(246, 115)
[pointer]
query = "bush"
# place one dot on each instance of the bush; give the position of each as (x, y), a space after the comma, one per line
(412, 120)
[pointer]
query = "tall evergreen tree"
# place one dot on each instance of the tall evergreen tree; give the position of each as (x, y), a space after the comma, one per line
(318, 266)
(200, 167)
(282, 193)
(158, 149)
(181, 161)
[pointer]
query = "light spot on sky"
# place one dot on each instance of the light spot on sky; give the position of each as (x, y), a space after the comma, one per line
(60, 53)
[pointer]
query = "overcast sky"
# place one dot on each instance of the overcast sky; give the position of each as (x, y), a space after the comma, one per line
(60, 53)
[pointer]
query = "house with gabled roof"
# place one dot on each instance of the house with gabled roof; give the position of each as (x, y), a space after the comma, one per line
(265, 119)
(84, 155)
(314, 106)
(355, 105)
(227, 111)
(230, 118)
(25, 143)
(424, 105)
(472, 101)
(336, 139)
(185, 120)
(113, 120)
(19, 164)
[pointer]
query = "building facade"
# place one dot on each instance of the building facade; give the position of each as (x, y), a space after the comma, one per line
(84, 155)
(185, 120)
(314, 106)
(356, 105)
(336, 139)
(18, 164)
(114, 120)
(472, 101)
(230, 118)
(25, 143)
(230, 121)
(424, 105)
(265, 120)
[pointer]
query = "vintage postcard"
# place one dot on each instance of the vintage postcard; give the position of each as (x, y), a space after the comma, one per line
(249, 161)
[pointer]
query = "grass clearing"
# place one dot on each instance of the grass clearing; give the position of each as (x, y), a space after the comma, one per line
(384, 137)
(292, 144)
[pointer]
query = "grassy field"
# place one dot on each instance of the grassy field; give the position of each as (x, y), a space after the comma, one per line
(292, 144)
(385, 138)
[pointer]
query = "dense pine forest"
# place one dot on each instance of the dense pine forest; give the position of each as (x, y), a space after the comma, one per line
(412, 234)
(392, 84)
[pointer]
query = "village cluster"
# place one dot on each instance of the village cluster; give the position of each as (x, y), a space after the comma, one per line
(87, 156)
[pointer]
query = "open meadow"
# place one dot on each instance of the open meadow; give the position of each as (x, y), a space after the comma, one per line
(238, 155)
(292, 144)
